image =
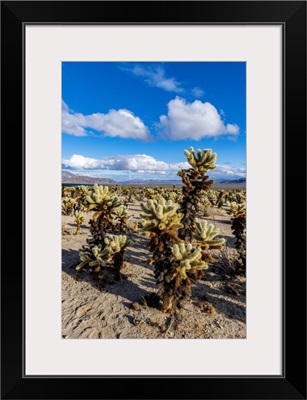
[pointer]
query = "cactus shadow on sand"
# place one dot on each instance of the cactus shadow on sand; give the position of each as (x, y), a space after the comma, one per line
(123, 287)
(83, 226)
(231, 305)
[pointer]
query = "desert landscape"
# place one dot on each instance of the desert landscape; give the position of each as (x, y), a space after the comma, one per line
(105, 306)
(153, 200)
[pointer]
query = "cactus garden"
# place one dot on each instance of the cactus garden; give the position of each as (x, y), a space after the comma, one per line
(155, 262)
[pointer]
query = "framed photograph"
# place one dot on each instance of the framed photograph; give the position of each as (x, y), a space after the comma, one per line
(161, 173)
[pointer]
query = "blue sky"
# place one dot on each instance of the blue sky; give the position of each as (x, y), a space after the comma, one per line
(133, 120)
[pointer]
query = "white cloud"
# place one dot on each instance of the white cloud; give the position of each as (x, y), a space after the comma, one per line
(232, 129)
(227, 172)
(195, 120)
(155, 76)
(143, 164)
(116, 123)
(72, 123)
(80, 162)
(135, 162)
(197, 92)
(64, 106)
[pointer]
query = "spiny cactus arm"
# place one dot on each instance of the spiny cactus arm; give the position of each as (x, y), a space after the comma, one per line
(91, 256)
(115, 244)
(122, 212)
(206, 234)
(188, 259)
(82, 264)
(79, 215)
(160, 211)
(207, 159)
(203, 161)
(237, 208)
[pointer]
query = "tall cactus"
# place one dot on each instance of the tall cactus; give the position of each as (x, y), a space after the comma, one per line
(186, 266)
(161, 220)
(104, 203)
(238, 226)
(116, 246)
(195, 180)
(99, 248)
(121, 219)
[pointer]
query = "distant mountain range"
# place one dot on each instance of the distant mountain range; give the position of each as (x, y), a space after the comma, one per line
(177, 181)
(241, 180)
(68, 177)
(151, 182)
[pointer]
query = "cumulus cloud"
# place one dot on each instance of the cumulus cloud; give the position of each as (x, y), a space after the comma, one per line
(227, 172)
(116, 123)
(72, 123)
(141, 164)
(135, 162)
(155, 76)
(195, 120)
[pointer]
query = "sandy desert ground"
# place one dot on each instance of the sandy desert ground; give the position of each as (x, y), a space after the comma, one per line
(118, 309)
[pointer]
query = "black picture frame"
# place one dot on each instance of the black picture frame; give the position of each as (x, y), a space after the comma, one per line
(292, 16)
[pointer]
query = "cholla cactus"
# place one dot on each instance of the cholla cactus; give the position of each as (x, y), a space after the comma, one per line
(184, 268)
(238, 226)
(212, 197)
(161, 218)
(101, 199)
(104, 203)
(161, 221)
(238, 210)
(121, 219)
(101, 249)
(79, 219)
(99, 255)
(68, 205)
(205, 234)
(188, 261)
(81, 193)
(221, 199)
(115, 246)
(203, 161)
(94, 256)
(195, 180)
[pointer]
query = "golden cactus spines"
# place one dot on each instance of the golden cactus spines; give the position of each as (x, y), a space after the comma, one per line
(201, 161)
(121, 218)
(104, 202)
(238, 227)
(206, 234)
(79, 219)
(186, 260)
(100, 255)
(160, 215)
(101, 199)
(195, 181)
(68, 205)
(115, 247)
(238, 210)
(116, 243)
(92, 256)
